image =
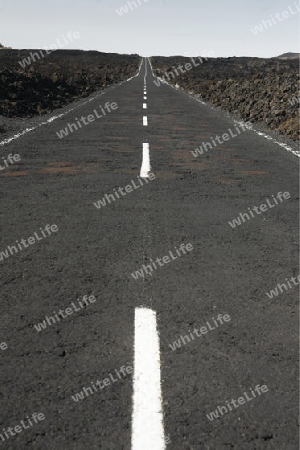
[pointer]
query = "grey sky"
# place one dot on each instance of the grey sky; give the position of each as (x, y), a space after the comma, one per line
(156, 27)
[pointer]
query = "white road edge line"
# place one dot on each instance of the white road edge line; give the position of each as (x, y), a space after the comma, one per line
(145, 121)
(147, 414)
(146, 167)
(145, 105)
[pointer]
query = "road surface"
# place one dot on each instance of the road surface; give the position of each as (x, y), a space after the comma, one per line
(125, 288)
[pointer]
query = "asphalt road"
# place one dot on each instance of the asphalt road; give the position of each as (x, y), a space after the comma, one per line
(93, 252)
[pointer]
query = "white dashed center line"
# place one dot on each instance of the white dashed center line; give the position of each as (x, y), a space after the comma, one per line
(147, 415)
(146, 168)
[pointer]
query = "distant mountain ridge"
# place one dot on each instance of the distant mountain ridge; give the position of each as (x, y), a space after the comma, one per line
(289, 55)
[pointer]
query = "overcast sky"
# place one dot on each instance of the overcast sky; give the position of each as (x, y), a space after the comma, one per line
(156, 27)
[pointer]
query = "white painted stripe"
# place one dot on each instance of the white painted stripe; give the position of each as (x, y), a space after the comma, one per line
(145, 121)
(145, 97)
(249, 126)
(147, 415)
(27, 130)
(146, 168)
(145, 105)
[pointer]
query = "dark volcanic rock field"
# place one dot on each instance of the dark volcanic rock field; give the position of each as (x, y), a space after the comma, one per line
(57, 78)
(258, 90)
